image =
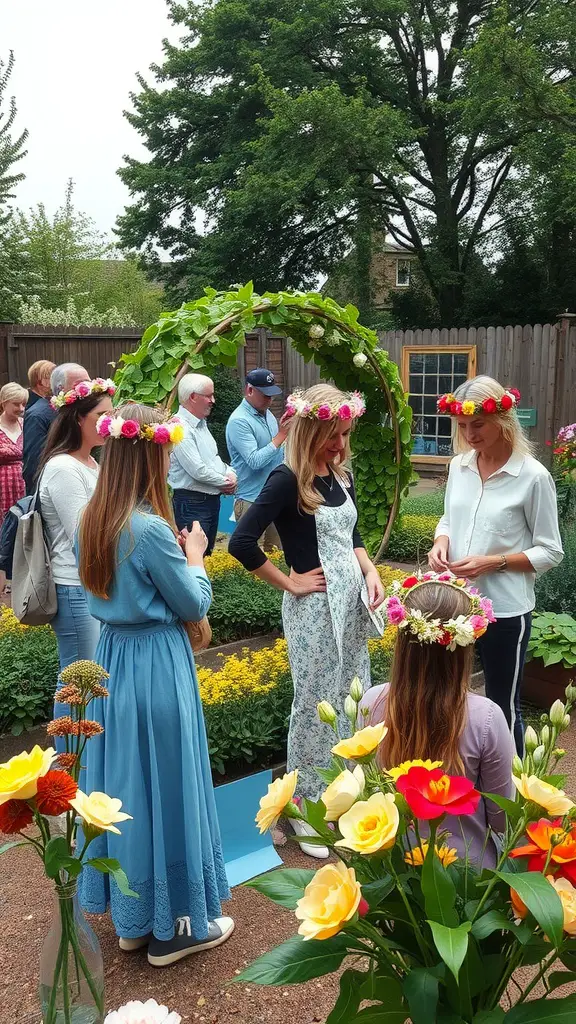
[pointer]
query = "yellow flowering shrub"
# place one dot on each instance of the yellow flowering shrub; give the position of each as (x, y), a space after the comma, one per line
(9, 623)
(220, 562)
(254, 672)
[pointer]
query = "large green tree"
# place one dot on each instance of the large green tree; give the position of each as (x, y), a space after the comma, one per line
(296, 128)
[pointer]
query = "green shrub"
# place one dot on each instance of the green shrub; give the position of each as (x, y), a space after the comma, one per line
(28, 674)
(555, 589)
(251, 731)
(243, 606)
(412, 536)
(430, 504)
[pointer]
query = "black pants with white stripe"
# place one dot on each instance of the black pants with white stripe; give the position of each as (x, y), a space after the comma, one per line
(502, 651)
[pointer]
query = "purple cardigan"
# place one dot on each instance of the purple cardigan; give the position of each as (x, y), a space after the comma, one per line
(486, 748)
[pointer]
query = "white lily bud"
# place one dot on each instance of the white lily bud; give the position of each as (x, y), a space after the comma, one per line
(545, 735)
(539, 754)
(565, 723)
(351, 709)
(557, 712)
(517, 765)
(530, 739)
(360, 360)
(356, 690)
(571, 692)
(326, 713)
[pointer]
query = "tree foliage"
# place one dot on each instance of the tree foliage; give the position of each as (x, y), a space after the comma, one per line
(300, 126)
(204, 333)
(15, 272)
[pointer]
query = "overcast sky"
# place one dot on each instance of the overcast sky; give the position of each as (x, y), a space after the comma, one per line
(76, 64)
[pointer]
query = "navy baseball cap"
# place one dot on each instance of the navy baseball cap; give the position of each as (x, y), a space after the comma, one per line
(263, 381)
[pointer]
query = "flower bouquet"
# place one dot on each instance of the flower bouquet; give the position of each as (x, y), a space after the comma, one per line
(427, 935)
(41, 788)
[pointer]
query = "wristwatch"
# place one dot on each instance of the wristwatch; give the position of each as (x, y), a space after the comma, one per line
(503, 564)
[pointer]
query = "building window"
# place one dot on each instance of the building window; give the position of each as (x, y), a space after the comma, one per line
(402, 273)
(426, 374)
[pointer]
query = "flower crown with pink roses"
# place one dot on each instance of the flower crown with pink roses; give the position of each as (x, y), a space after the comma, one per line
(349, 409)
(98, 386)
(453, 633)
(169, 432)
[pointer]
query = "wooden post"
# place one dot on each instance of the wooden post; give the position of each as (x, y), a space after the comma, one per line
(5, 327)
(564, 400)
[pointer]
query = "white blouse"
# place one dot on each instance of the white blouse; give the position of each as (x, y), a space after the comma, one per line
(66, 486)
(513, 511)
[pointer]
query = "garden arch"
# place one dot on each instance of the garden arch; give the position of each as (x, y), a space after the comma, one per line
(210, 330)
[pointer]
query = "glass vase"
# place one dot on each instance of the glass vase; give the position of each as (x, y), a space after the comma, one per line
(71, 965)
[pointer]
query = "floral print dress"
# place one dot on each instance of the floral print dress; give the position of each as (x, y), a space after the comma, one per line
(12, 486)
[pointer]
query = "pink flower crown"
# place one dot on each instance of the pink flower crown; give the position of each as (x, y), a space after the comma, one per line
(170, 432)
(453, 633)
(352, 407)
(449, 404)
(98, 386)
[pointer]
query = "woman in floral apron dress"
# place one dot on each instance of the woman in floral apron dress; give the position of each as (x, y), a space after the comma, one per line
(333, 588)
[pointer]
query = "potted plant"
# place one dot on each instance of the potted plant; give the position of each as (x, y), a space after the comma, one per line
(426, 935)
(550, 659)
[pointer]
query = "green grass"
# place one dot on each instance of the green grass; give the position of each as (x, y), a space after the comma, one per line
(430, 504)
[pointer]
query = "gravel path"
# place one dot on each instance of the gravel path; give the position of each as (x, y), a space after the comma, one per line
(197, 987)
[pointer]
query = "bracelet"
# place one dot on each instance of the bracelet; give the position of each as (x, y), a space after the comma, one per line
(503, 564)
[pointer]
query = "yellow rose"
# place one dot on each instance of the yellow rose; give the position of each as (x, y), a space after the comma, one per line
(280, 793)
(404, 768)
(342, 793)
(417, 856)
(19, 776)
(553, 800)
(177, 434)
(99, 810)
(329, 901)
(362, 743)
(468, 408)
(370, 825)
(567, 894)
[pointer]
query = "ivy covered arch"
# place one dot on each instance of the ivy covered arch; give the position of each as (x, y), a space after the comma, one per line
(211, 329)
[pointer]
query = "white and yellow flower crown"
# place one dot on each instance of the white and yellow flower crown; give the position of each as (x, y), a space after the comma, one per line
(349, 409)
(453, 633)
(169, 432)
(98, 386)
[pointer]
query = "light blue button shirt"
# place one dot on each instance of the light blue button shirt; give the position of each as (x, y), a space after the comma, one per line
(249, 436)
(194, 463)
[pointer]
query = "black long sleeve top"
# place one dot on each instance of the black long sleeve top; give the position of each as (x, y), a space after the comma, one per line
(278, 503)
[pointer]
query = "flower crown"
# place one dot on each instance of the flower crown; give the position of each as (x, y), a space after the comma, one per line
(449, 404)
(352, 407)
(170, 432)
(458, 632)
(98, 386)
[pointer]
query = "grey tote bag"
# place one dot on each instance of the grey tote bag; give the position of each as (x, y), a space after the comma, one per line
(34, 600)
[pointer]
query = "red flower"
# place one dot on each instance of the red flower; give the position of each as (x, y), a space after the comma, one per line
(445, 639)
(515, 392)
(363, 907)
(545, 835)
(506, 402)
(442, 404)
(456, 409)
(14, 816)
(130, 428)
(410, 581)
(55, 791)
(489, 405)
(430, 794)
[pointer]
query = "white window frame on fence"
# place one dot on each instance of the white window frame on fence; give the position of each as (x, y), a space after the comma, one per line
(432, 350)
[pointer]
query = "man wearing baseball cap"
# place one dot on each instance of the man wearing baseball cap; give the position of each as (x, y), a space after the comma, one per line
(255, 442)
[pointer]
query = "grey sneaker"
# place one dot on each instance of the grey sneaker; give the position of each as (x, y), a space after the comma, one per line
(164, 953)
(130, 945)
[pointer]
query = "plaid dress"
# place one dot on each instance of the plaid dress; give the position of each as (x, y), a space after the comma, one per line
(12, 486)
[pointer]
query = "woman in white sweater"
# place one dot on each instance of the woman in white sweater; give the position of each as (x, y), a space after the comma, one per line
(67, 478)
(500, 527)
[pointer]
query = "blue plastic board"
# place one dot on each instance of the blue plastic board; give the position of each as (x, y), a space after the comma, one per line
(225, 525)
(246, 852)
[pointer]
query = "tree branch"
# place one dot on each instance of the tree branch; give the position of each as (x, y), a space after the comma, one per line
(497, 182)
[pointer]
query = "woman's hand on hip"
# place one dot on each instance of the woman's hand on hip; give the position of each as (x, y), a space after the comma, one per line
(375, 589)
(312, 582)
(475, 565)
(438, 555)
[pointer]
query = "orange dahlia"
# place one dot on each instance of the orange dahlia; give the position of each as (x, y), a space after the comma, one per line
(14, 816)
(63, 726)
(55, 791)
(65, 761)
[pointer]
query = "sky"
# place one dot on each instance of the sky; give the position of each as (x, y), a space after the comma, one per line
(76, 64)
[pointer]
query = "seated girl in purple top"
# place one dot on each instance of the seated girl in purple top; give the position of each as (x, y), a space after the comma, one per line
(431, 714)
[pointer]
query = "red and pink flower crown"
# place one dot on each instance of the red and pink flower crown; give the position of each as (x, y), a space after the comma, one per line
(170, 432)
(449, 404)
(98, 386)
(352, 407)
(453, 633)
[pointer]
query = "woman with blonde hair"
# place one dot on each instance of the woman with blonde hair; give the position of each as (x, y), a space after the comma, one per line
(13, 400)
(144, 582)
(333, 588)
(430, 712)
(500, 525)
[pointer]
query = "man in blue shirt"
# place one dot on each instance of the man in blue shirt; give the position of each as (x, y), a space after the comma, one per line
(255, 442)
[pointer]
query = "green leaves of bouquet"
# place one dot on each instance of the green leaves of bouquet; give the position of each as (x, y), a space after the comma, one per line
(434, 936)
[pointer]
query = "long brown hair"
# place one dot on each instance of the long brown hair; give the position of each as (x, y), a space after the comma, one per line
(306, 437)
(65, 434)
(425, 707)
(132, 473)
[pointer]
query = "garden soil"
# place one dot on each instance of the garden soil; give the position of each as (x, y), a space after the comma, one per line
(200, 988)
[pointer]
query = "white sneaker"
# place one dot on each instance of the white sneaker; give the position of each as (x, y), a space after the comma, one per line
(301, 828)
(130, 945)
